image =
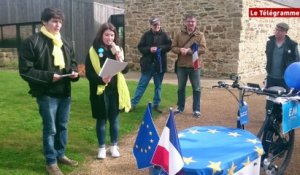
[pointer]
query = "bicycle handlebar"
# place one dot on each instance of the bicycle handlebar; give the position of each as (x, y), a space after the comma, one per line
(222, 84)
(273, 92)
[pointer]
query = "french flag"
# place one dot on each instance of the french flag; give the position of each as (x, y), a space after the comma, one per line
(195, 49)
(168, 154)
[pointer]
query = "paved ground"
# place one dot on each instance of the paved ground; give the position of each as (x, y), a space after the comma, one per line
(217, 107)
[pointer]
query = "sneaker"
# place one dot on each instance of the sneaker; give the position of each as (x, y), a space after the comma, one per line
(114, 150)
(101, 153)
(156, 108)
(53, 169)
(177, 111)
(65, 160)
(197, 114)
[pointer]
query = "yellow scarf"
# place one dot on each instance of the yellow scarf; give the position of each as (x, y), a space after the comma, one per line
(57, 52)
(124, 96)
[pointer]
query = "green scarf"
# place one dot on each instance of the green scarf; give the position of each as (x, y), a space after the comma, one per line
(57, 52)
(124, 96)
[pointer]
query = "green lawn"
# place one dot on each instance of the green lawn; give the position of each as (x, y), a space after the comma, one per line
(21, 128)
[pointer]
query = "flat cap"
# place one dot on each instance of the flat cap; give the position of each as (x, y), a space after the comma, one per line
(283, 25)
(154, 20)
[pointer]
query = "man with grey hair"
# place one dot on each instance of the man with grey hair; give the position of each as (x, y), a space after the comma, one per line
(154, 45)
(281, 51)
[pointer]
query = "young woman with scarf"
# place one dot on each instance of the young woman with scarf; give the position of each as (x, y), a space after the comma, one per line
(108, 95)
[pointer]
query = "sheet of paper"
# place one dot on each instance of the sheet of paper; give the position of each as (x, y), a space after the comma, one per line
(111, 67)
(66, 75)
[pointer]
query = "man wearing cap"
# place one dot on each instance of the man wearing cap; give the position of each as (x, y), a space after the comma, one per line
(281, 51)
(154, 45)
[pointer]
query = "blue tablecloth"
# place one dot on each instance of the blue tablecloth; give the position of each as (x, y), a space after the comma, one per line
(217, 150)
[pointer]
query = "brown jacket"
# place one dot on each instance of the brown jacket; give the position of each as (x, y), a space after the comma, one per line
(179, 41)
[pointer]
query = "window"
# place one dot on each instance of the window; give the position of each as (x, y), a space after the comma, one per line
(8, 36)
(12, 35)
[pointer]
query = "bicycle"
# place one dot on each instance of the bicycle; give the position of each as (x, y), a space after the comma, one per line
(278, 147)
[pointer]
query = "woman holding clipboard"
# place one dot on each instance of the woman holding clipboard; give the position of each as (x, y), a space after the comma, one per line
(108, 94)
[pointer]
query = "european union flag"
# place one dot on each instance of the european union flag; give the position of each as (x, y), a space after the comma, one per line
(158, 57)
(146, 141)
(219, 150)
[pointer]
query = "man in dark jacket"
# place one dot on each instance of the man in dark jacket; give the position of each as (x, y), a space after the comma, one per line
(281, 51)
(47, 63)
(154, 46)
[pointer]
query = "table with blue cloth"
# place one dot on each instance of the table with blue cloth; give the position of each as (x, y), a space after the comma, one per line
(219, 150)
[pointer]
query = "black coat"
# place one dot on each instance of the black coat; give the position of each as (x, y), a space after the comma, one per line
(107, 103)
(36, 66)
(150, 39)
(290, 54)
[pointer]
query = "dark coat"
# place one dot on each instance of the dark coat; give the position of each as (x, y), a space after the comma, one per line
(36, 66)
(290, 55)
(150, 39)
(108, 102)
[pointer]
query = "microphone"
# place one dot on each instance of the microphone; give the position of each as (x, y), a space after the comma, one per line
(116, 49)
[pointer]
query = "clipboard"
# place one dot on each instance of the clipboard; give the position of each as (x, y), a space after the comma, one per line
(111, 67)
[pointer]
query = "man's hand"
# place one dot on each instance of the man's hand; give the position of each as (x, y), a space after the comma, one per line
(153, 49)
(56, 77)
(184, 51)
(74, 75)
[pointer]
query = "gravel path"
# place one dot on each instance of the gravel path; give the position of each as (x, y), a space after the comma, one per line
(218, 108)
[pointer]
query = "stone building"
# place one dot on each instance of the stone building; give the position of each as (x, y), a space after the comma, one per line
(235, 41)
(20, 19)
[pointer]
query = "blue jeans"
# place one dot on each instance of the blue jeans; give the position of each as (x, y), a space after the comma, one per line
(194, 75)
(143, 83)
(55, 115)
(112, 115)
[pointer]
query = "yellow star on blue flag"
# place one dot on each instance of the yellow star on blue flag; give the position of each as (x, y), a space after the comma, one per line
(146, 141)
(218, 150)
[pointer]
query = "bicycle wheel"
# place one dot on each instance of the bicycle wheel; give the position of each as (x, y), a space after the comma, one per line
(278, 149)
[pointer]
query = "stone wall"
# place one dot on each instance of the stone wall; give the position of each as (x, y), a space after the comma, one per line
(8, 56)
(235, 42)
